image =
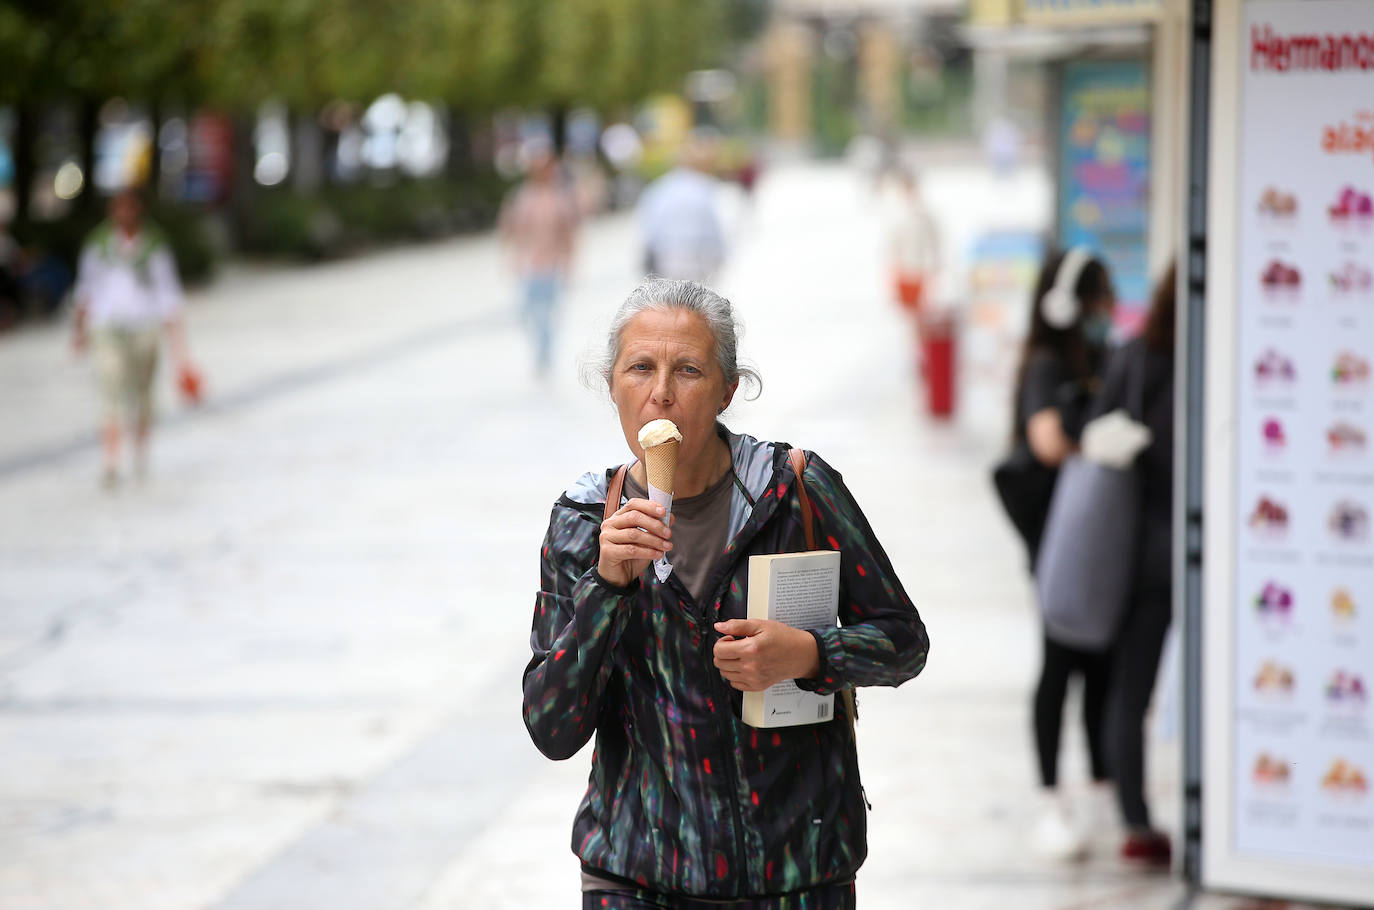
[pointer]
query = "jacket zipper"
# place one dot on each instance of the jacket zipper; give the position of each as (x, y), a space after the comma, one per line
(718, 682)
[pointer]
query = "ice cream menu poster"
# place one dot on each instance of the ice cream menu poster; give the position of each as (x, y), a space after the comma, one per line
(1303, 730)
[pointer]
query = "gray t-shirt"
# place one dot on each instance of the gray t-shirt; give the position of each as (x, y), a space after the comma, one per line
(699, 531)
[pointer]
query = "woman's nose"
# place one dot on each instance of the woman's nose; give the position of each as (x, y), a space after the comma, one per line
(663, 389)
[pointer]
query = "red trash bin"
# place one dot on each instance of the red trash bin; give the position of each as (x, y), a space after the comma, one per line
(937, 331)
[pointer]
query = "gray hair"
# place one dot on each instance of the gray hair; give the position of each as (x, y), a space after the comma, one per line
(661, 294)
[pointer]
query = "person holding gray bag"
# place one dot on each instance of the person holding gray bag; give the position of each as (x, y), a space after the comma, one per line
(1070, 323)
(1139, 639)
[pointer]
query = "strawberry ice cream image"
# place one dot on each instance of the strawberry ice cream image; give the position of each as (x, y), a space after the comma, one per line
(1278, 275)
(1269, 516)
(1274, 600)
(1274, 367)
(1351, 203)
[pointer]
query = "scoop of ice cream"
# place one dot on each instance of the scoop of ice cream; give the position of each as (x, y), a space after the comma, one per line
(657, 432)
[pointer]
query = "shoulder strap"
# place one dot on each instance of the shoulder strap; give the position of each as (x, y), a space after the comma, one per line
(613, 491)
(798, 459)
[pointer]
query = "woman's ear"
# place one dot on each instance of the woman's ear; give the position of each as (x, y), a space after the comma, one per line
(729, 396)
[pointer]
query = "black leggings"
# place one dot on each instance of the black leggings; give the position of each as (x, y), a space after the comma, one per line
(1135, 664)
(1061, 661)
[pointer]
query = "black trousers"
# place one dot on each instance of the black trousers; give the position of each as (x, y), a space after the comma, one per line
(1135, 665)
(1062, 662)
(822, 897)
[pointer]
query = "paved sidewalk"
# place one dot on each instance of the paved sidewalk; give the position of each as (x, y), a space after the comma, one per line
(284, 674)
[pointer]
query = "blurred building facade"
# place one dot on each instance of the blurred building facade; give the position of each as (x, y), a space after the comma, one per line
(1094, 87)
(1117, 83)
(860, 53)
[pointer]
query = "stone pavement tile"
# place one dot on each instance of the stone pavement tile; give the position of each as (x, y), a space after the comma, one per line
(523, 858)
(384, 843)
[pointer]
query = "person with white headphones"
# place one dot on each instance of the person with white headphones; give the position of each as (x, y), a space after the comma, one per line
(1070, 327)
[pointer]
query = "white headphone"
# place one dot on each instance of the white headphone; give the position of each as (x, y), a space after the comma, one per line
(1060, 304)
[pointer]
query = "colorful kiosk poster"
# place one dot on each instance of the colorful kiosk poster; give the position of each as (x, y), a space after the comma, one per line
(1289, 566)
(1104, 173)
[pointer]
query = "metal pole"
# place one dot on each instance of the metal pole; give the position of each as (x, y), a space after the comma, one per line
(1188, 523)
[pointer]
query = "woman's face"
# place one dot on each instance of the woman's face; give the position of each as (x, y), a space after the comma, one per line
(1096, 325)
(1104, 305)
(667, 369)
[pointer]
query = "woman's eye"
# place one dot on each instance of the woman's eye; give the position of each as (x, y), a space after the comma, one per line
(690, 369)
(640, 367)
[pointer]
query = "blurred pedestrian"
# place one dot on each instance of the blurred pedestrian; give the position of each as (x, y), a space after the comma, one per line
(688, 807)
(539, 221)
(679, 218)
(128, 295)
(748, 175)
(1002, 145)
(913, 239)
(1140, 641)
(1070, 325)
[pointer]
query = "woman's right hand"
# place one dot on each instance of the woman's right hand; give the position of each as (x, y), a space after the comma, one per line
(631, 539)
(1048, 442)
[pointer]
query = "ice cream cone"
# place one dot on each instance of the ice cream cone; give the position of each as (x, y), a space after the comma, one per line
(660, 464)
(659, 439)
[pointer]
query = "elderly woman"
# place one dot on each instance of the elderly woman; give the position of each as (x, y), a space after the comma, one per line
(687, 805)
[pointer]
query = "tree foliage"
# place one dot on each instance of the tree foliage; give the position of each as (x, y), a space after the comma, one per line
(473, 54)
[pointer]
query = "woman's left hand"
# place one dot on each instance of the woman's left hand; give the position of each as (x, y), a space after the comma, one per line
(758, 653)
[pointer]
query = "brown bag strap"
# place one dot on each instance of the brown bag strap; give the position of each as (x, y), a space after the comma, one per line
(614, 490)
(798, 459)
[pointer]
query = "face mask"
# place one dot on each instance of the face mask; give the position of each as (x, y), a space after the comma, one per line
(1097, 329)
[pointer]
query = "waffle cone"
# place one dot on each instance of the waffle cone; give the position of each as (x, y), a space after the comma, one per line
(660, 464)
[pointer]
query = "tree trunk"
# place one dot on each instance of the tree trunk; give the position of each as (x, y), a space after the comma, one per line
(459, 144)
(307, 151)
(87, 124)
(559, 117)
(155, 153)
(242, 186)
(25, 126)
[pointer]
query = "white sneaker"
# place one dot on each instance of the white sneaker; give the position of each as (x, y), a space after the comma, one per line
(1055, 836)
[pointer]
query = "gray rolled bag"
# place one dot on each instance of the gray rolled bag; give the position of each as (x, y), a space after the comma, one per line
(1087, 560)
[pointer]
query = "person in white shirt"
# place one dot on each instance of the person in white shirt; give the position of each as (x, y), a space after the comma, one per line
(680, 221)
(912, 237)
(127, 294)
